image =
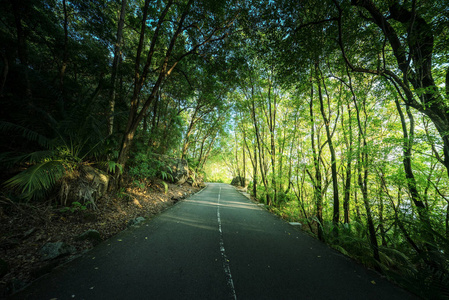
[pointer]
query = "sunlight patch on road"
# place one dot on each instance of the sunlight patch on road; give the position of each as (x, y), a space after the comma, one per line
(191, 221)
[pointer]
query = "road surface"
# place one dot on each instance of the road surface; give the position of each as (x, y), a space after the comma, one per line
(214, 245)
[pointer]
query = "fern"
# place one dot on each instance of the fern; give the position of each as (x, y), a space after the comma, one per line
(166, 175)
(113, 166)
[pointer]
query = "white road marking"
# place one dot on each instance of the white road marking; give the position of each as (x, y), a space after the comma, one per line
(226, 267)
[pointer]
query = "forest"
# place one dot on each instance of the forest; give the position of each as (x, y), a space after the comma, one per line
(335, 111)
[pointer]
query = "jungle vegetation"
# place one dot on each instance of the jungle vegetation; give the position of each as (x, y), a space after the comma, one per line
(336, 110)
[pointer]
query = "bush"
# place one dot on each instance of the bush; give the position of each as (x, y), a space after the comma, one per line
(142, 167)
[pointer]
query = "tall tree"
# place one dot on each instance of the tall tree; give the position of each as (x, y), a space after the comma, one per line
(115, 64)
(167, 47)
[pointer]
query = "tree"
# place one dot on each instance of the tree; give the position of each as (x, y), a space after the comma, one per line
(196, 24)
(412, 42)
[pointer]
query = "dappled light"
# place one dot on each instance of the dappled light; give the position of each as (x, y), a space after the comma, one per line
(227, 204)
(330, 113)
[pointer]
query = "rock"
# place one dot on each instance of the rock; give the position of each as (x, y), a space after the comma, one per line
(54, 250)
(96, 178)
(4, 268)
(91, 235)
(136, 221)
(237, 181)
(86, 188)
(176, 168)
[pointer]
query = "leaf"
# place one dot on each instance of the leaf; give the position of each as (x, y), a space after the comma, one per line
(25, 132)
(35, 181)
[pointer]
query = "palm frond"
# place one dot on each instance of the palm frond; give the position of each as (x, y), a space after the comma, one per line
(35, 181)
(25, 132)
(9, 159)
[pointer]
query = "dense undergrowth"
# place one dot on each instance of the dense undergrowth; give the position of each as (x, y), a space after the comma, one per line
(422, 273)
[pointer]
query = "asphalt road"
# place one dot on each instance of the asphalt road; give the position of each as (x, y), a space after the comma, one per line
(214, 245)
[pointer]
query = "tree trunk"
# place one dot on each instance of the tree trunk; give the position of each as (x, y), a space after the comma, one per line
(407, 162)
(65, 55)
(381, 217)
(136, 115)
(115, 64)
(255, 172)
(317, 181)
(271, 118)
(363, 184)
(259, 147)
(243, 180)
(22, 50)
(347, 185)
(336, 212)
(416, 69)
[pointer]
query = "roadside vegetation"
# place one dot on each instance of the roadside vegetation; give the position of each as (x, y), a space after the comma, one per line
(335, 111)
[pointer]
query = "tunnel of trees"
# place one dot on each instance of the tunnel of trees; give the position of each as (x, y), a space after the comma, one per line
(336, 111)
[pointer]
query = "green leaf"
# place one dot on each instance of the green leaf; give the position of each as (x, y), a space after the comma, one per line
(35, 181)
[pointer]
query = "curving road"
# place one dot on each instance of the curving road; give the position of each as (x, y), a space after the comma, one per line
(214, 245)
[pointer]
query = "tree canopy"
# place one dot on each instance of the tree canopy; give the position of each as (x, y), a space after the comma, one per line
(336, 111)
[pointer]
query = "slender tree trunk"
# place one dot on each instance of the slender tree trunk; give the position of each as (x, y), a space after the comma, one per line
(363, 183)
(259, 147)
(317, 181)
(115, 64)
(135, 114)
(189, 132)
(271, 127)
(447, 221)
(336, 212)
(413, 56)
(243, 180)
(22, 49)
(255, 172)
(300, 196)
(381, 217)
(347, 186)
(65, 55)
(237, 155)
(396, 214)
(206, 156)
(407, 162)
(290, 164)
(363, 179)
(253, 159)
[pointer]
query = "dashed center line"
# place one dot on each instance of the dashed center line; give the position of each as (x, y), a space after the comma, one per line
(226, 267)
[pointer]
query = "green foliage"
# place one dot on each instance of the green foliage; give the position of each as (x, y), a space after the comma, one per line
(165, 175)
(165, 187)
(138, 184)
(112, 167)
(143, 167)
(54, 150)
(35, 182)
(74, 208)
